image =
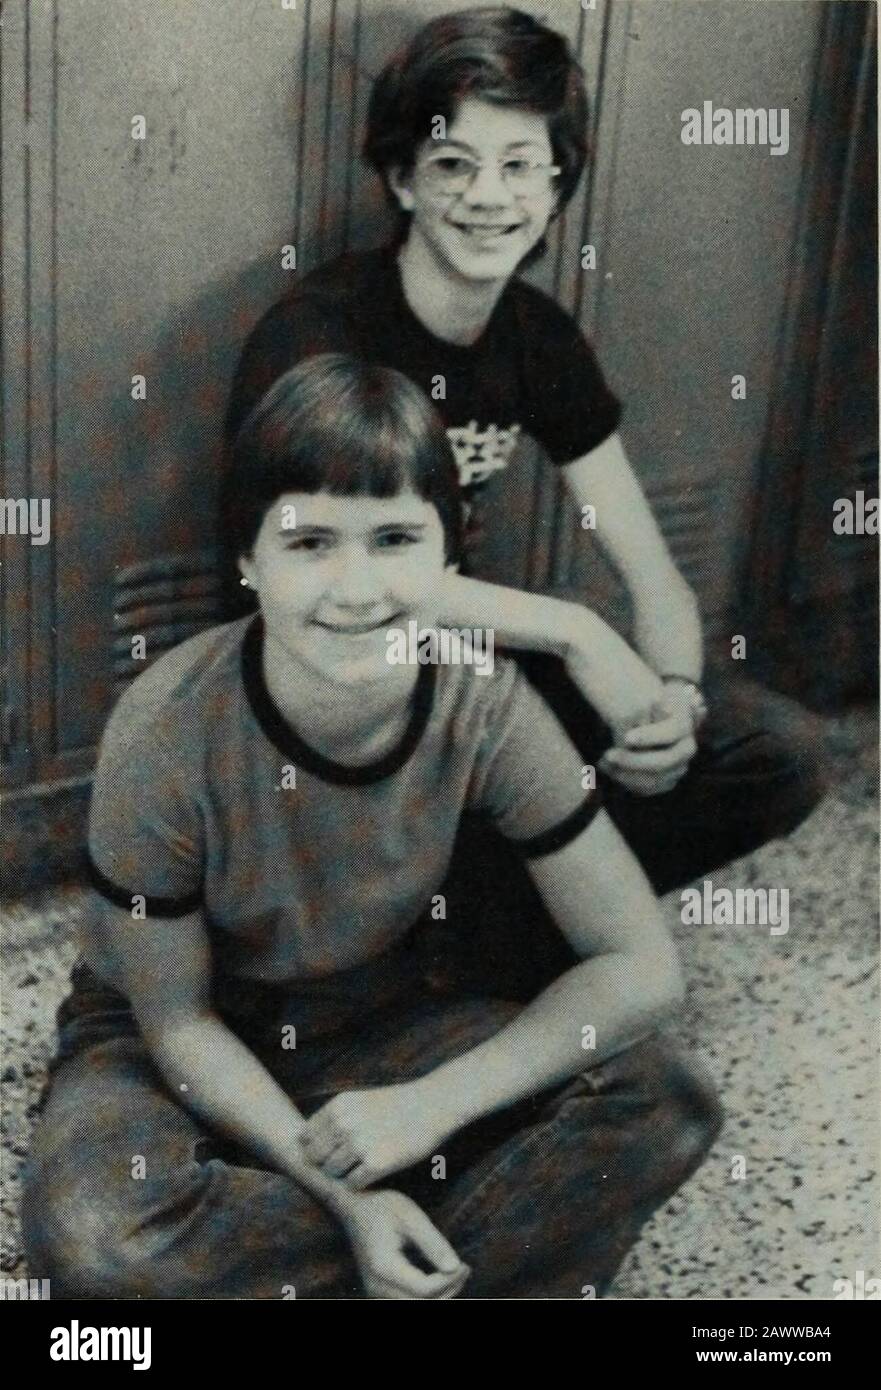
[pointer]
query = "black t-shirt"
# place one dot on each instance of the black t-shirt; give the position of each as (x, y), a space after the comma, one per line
(530, 372)
(529, 375)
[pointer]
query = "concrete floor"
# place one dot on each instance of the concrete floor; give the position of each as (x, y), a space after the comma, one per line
(787, 1024)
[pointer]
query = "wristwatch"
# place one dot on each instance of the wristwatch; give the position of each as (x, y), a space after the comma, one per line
(697, 705)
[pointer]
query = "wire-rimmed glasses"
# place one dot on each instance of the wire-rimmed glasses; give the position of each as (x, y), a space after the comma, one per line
(454, 173)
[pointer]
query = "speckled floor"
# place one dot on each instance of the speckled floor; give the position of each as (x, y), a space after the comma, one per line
(788, 1025)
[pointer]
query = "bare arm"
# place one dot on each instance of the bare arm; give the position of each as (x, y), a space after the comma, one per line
(164, 968)
(667, 627)
(624, 988)
(623, 991)
(533, 622)
(612, 678)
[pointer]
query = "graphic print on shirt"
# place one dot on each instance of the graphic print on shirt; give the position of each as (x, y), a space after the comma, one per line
(480, 453)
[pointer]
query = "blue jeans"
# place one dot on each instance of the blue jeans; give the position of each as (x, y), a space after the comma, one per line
(541, 1200)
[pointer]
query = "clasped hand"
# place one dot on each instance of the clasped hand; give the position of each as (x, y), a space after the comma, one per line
(362, 1136)
(651, 723)
(652, 757)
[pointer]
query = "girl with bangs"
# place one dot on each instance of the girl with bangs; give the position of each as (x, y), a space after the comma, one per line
(277, 1070)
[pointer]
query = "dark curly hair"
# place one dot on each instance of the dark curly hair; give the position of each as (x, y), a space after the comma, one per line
(493, 53)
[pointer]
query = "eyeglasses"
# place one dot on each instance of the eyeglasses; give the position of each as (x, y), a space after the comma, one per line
(453, 173)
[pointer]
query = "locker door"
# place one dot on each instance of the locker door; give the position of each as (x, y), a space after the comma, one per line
(812, 592)
(19, 560)
(146, 258)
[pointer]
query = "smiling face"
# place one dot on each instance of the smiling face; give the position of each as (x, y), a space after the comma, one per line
(484, 232)
(331, 587)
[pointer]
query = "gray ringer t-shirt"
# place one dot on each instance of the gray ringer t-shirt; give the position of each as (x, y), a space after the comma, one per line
(204, 796)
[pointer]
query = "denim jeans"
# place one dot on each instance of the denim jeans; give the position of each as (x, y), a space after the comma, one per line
(128, 1195)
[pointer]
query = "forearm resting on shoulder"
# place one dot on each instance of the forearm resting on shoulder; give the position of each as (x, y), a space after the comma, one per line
(616, 682)
(533, 622)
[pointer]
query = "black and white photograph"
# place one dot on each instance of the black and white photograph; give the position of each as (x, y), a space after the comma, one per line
(439, 592)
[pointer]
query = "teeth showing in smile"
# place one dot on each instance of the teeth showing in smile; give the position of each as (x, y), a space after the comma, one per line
(349, 631)
(355, 629)
(483, 232)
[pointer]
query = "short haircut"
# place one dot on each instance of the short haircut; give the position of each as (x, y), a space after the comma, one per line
(341, 425)
(496, 54)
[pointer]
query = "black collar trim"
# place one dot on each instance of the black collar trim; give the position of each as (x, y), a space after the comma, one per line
(288, 741)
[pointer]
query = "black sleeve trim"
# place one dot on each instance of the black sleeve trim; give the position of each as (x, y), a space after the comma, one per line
(549, 841)
(154, 907)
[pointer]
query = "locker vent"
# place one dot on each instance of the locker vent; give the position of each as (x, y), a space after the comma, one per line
(687, 514)
(164, 600)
